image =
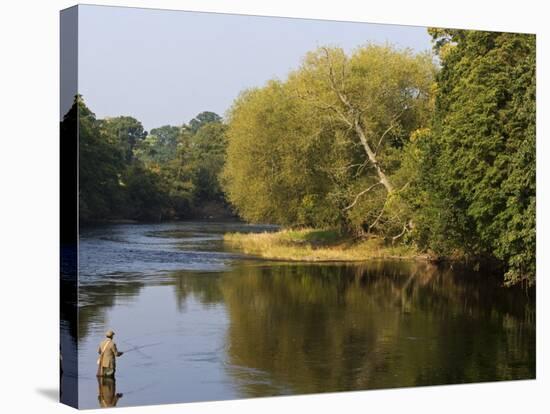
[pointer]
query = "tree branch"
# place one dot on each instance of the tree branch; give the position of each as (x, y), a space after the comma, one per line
(325, 106)
(378, 218)
(405, 229)
(392, 125)
(360, 194)
(332, 81)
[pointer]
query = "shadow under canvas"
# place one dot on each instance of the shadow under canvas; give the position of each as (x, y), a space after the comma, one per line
(49, 393)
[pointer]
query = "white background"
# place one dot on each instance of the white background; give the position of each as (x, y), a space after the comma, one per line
(29, 159)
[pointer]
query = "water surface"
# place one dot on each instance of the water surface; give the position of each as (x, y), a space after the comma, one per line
(201, 322)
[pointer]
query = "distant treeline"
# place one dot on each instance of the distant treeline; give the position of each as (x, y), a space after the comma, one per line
(435, 150)
(127, 173)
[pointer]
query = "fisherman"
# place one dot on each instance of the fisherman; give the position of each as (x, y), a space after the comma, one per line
(108, 353)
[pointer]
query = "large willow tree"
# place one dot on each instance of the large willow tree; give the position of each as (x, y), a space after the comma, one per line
(326, 145)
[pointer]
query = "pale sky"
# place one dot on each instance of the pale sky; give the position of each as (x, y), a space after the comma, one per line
(164, 67)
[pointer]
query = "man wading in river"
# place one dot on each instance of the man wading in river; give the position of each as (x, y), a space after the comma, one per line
(107, 356)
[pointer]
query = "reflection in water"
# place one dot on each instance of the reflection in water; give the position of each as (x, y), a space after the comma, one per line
(232, 327)
(205, 287)
(68, 327)
(96, 299)
(305, 329)
(107, 395)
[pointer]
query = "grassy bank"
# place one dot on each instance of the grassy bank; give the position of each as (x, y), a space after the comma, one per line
(315, 246)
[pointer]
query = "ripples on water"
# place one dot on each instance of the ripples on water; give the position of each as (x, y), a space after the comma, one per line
(155, 248)
(214, 324)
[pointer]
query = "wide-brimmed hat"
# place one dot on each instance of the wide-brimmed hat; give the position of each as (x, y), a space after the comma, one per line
(109, 333)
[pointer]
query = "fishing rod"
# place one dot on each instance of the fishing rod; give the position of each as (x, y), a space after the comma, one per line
(139, 347)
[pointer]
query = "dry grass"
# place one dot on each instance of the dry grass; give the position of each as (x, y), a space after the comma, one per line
(315, 246)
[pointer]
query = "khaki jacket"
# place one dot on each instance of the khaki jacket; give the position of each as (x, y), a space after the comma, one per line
(107, 359)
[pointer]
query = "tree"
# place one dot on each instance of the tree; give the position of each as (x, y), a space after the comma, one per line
(101, 164)
(330, 136)
(381, 96)
(159, 146)
(147, 193)
(276, 156)
(127, 131)
(189, 163)
(479, 157)
(207, 158)
(203, 118)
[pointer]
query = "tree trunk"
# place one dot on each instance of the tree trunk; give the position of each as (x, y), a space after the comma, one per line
(356, 124)
(372, 157)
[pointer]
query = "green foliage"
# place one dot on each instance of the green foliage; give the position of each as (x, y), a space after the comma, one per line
(127, 131)
(202, 119)
(454, 175)
(207, 160)
(479, 160)
(126, 173)
(377, 144)
(295, 156)
(113, 184)
(146, 192)
(101, 164)
(159, 146)
(276, 165)
(192, 173)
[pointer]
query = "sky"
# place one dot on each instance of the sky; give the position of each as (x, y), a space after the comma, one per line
(164, 67)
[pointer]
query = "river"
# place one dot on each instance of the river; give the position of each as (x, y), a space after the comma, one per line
(201, 322)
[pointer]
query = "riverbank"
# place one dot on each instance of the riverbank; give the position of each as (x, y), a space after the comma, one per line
(316, 246)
